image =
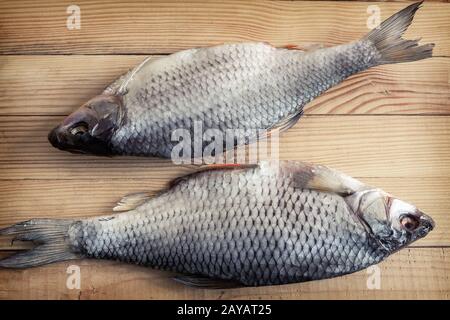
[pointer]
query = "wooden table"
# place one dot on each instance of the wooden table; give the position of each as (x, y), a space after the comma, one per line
(388, 126)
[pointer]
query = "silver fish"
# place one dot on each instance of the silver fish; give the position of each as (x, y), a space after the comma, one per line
(267, 224)
(246, 86)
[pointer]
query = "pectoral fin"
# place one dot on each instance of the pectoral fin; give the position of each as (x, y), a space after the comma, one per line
(287, 122)
(321, 178)
(284, 125)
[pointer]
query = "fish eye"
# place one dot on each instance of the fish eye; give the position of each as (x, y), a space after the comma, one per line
(79, 129)
(409, 222)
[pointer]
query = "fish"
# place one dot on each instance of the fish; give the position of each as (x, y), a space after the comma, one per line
(271, 223)
(253, 87)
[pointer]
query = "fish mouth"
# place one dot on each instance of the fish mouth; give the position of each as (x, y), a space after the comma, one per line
(83, 144)
(427, 222)
(53, 138)
(426, 225)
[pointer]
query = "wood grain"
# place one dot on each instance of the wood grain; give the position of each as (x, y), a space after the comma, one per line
(388, 126)
(114, 26)
(25, 199)
(404, 1)
(405, 275)
(57, 85)
(361, 146)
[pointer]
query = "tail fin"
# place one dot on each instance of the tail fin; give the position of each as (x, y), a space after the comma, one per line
(50, 236)
(387, 38)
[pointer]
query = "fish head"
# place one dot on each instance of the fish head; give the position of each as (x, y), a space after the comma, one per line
(89, 129)
(391, 221)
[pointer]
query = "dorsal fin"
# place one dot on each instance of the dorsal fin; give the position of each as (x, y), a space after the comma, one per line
(211, 167)
(131, 201)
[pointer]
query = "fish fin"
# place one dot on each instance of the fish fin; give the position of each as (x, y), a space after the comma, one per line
(199, 281)
(317, 177)
(387, 38)
(304, 47)
(225, 166)
(287, 122)
(284, 125)
(290, 46)
(131, 201)
(119, 87)
(211, 167)
(51, 237)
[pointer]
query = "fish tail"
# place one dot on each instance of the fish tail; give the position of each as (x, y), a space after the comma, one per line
(51, 238)
(387, 38)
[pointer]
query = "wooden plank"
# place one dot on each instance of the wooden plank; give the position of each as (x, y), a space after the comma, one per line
(362, 146)
(82, 198)
(57, 85)
(422, 87)
(404, 1)
(368, 127)
(419, 273)
(29, 26)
